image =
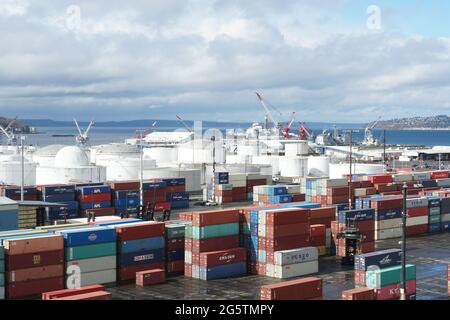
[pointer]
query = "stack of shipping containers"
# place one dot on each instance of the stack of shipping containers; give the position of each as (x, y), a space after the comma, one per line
(62, 194)
(93, 251)
(2, 272)
(175, 233)
(95, 199)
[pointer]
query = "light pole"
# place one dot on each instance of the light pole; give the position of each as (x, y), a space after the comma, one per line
(403, 271)
(141, 174)
(22, 160)
(350, 191)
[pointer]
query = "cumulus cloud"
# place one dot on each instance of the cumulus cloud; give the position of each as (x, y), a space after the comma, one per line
(204, 59)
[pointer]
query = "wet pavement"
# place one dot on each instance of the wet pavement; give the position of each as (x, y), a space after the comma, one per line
(430, 253)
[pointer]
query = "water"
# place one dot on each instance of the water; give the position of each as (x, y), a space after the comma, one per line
(102, 135)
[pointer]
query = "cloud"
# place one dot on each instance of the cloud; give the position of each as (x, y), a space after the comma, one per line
(205, 59)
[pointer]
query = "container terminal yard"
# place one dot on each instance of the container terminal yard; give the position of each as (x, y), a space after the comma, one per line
(166, 215)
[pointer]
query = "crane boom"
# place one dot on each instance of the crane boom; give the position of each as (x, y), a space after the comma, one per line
(266, 106)
(183, 123)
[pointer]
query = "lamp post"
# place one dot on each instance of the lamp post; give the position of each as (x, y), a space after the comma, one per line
(22, 160)
(403, 271)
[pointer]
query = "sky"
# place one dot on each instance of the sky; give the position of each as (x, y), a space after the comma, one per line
(326, 60)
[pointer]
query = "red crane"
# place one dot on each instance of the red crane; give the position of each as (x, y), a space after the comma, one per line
(287, 127)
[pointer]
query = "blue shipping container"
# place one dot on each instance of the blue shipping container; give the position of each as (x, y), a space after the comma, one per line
(127, 194)
(88, 236)
(388, 214)
(141, 257)
(180, 204)
(153, 185)
(145, 244)
(175, 182)
(117, 222)
(223, 271)
(54, 190)
(9, 220)
(94, 189)
(125, 203)
(15, 191)
(175, 255)
(175, 196)
(60, 198)
(434, 227)
(95, 205)
(356, 215)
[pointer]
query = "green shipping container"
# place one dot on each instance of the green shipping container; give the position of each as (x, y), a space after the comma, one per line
(175, 231)
(215, 230)
(434, 219)
(2, 253)
(2, 279)
(188, 231)
(387, 276)
(2, 266)
(435, 211)
(91, 251)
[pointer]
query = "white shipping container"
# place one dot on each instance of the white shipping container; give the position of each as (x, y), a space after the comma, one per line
(98, 277)
(335, 183)
(294, 256)
(445, 217)
(261, 230)
(417, 176)
(188, 257)
(360, 192)
(237, 177)
(293, 189)
(388, 224)
(402, 177)
(195, 271)
(416, 221)
(239, 183)
(94, 264)
(388, 234)
(417, 202)
(224, 187)
(293, 270)
(443, 182)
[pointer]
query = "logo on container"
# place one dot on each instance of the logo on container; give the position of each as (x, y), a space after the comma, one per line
(385, 260)
(227, 257)
(92, 237)
(36, 259)
(144, 257)
(74, 277)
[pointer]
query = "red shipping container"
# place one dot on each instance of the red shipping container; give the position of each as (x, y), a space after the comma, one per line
(239, 197)
(175, 266)
(439, 174)
(30, 260)
(176, 189)
(384, 178)
(188, 270)
(337, 191)
(325, 221)
(206, 218)
(195, 258)
(187, 216)
(129, 273)
(360, 277)
(239, 190)
(34, 287)
(385, 204)
(368, 236)
(97, 295)
(366, 184)
(393, 291)
(261, 269)
(367, 247)
(337, 199)
(288, 216)
(317, 241)
(140, 230)
(317, 230)
(287, 230)
(33, 245)
(214, 244)
(216, 258)
(286, 243)
(300, 289)
(70, 292)
(359, 294)
(124, 185)
(98, 197)
(386, 187)
(150, 277)
(327, 212)
(416, 230)
(100, 212)
(251, 268)
(27, 197)
(35, 273)
(298, 197)
(417, 212)
(172, 244)
(188, 244)
(365, 226)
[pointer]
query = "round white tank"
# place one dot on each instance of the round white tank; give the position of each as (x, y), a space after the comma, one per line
(272, 160)
(237, 159)
(71, 157)
(243, 150)
(318, 166)
(126, 169)
(293, 166)
(45, 156)
(113, 151)
(55, 175)
(201, 152)
(162, 155)
(11, 171)
(298, 148)
(340, 169)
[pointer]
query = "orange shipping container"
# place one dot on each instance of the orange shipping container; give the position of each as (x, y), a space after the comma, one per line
(34, 245)
(53, 271)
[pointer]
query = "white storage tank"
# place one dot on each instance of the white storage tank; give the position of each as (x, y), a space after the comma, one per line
(201, 151)
(245, 150)
(293, 166)
(11, 170)
(127, 169)
(297, 148)
(340, 169)
(162, 155)
(71, 165)
(272, 160)
(318, 166)
(238, 159)
(45, 156)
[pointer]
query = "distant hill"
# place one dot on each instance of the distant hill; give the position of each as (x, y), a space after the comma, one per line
(16, 124)
(434, 122)
(173, 123)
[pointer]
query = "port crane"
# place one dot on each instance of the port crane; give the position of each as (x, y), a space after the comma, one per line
(303, 133)
(369, 140)
(266, 105)
(83, 135)
(287, 127)
(184, 123)
(8, 131)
